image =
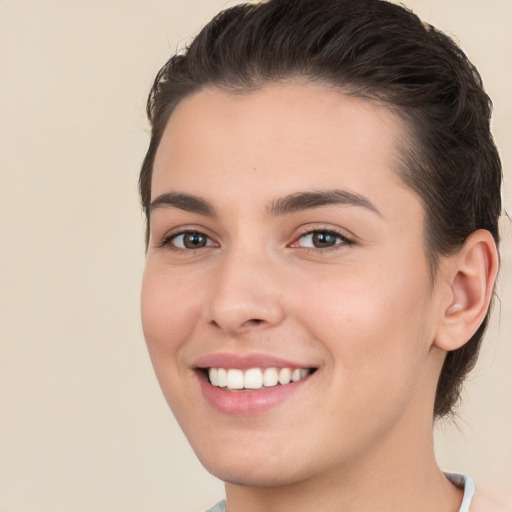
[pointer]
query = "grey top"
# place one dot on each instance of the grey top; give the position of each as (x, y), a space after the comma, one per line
(220, 507)
(461, 481)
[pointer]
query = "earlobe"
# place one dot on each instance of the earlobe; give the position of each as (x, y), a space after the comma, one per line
(470, 275)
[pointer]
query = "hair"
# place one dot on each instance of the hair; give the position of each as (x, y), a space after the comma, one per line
(376, 50)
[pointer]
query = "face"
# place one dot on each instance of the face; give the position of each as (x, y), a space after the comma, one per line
(287, 303)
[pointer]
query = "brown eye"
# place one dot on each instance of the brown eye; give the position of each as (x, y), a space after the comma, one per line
(191, 240)
(321, 239)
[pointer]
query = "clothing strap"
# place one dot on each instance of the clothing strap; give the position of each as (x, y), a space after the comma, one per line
(465, 483)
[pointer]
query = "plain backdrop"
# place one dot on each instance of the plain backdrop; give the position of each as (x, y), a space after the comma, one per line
(83, 425)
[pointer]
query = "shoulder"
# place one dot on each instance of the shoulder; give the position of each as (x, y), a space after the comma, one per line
(495, 502)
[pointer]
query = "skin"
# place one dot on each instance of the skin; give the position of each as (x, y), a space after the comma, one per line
(357, 435)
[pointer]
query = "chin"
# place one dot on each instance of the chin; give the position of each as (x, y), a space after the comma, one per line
(256, 464)
(255, 476)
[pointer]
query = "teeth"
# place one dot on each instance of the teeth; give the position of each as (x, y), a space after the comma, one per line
(270, 377)
(285, 375)
(235, 379)
(255, 378)
(222, 377)
(214, 376)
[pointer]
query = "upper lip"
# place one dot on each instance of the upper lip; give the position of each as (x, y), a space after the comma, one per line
(246, 361)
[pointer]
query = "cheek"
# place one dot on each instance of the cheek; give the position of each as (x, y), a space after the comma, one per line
(378, 350)
(170, 312)
(375, 325)
(165, 320)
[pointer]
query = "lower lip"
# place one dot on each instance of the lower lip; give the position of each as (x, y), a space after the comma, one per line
(248, 402)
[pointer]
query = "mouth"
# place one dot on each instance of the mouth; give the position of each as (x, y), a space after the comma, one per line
(252, 379)
(251, 384)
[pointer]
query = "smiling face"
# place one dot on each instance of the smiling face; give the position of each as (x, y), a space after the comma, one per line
(284, 245)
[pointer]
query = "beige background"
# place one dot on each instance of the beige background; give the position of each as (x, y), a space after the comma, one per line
(82, 424)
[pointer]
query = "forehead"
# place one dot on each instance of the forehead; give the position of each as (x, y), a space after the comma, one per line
(277, 139)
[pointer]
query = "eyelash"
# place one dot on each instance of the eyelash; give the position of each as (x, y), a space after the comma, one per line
(345, 241)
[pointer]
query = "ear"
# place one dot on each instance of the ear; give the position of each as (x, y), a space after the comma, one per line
(468, 277)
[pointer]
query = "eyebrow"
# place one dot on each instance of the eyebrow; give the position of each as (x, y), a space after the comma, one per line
(308, 200)
(299, 201)
(188, 203)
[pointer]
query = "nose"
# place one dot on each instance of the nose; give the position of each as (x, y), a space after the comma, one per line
(246, 295)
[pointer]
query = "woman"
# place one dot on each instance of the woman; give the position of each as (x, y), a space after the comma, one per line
(322, 195)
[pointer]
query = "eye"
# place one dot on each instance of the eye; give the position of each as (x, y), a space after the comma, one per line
(321, 239)
(189, 240)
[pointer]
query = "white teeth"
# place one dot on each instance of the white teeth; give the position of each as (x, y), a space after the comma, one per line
(222, 377)
(254, 378)
(285, 375)
(270, 377)
(235, 379)
(213, 375)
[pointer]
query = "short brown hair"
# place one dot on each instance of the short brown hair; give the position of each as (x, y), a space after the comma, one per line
(376, 50)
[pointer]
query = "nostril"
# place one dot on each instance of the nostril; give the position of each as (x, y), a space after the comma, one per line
(254, 321)
(251, 323)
